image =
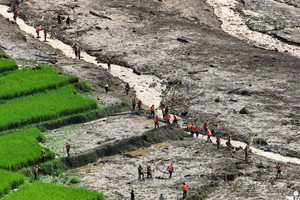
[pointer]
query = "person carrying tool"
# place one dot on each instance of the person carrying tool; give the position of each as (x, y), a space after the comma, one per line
(218, 141)
(68, 147)
(106, 88)
(208, 135)
(140, 105)
(168, 119)
(185, 189)
(152, 109)
(246, 150)
(38, 29)
(133, 104)
(140, 170)
(127, 88)
(43, 155)
(156, 122)
(170, 169)
(36, 171)
(149, 175)
(278, 167)
(197, 131)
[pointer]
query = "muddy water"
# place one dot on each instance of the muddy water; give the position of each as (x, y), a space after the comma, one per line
(234, 24)
(141, 84)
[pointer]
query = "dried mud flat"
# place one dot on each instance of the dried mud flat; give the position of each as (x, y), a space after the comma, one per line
(210, 76)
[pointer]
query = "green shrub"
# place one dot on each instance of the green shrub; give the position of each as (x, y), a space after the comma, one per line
(7, 65)
(43, 107)
(9, 181)
(74, 180)
(48, 191)
(21, 149)
(28, 81)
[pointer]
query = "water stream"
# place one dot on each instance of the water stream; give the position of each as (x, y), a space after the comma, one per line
(232, 24)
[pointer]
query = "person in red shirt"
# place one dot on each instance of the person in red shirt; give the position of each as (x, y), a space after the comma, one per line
(45, 34)
(108, 64)
(68, 147)
(152, 109)
(140, 170)
(278, 167)
(175, 121)
(140, 105)
(149, 175)
(133, 104)
(156, 122)
(168, 119)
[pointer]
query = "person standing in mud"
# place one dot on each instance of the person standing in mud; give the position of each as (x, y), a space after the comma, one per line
(149, 174)
(45, 35)
(185, 189)
(68, 147)
(156, 122)
(170, 169)
(106, 88)
(108, 64)
(132, 195)
(278, 167)
(246, 151)
(59, 19)
(38, 29)
(218, 141)
(140, 171)
(127, 88)
(152, 111)
(68, 21)
(43, 155)
(140, 105)
(133, 104)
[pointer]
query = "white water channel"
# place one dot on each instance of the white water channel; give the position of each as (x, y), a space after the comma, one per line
(234, 24)
(141, 83)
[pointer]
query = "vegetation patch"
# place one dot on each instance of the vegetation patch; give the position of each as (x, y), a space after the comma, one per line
(7, 65)
(21, 149)
(9, 181)
(43, 107)
(48, 191)
(28, 81)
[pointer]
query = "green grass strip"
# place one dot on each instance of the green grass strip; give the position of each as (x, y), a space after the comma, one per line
(7, 65)
(21, 149)
(9, 181)
(47, 191)
(45, 106)
(27, 81)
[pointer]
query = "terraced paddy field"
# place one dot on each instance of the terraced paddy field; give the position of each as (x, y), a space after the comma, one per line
(30, 97)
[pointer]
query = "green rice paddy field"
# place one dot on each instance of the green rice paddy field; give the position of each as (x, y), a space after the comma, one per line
(29, 97)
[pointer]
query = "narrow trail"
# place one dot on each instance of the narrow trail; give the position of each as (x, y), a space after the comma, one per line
(232, 24)
(235, 25)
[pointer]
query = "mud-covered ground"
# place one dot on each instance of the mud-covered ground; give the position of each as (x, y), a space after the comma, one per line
(196, 163)
(211, 77)
(212, 65)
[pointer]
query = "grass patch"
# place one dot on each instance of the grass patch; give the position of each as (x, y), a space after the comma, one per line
(9, 181)
(21, 149)
(204, 192)
(74, 180)
(43, 107)
(47, 191)
(28, 81)
(7, 65)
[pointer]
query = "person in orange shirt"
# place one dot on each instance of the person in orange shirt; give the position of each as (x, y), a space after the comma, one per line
(156, 120)
(38, 29)
(208, 135)
(189, 127)
(185, 189)
(168, 119)
(152, 109)
(192, 130)
(164, 113)
(171, 169)
(175, 121)
(197, 131)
